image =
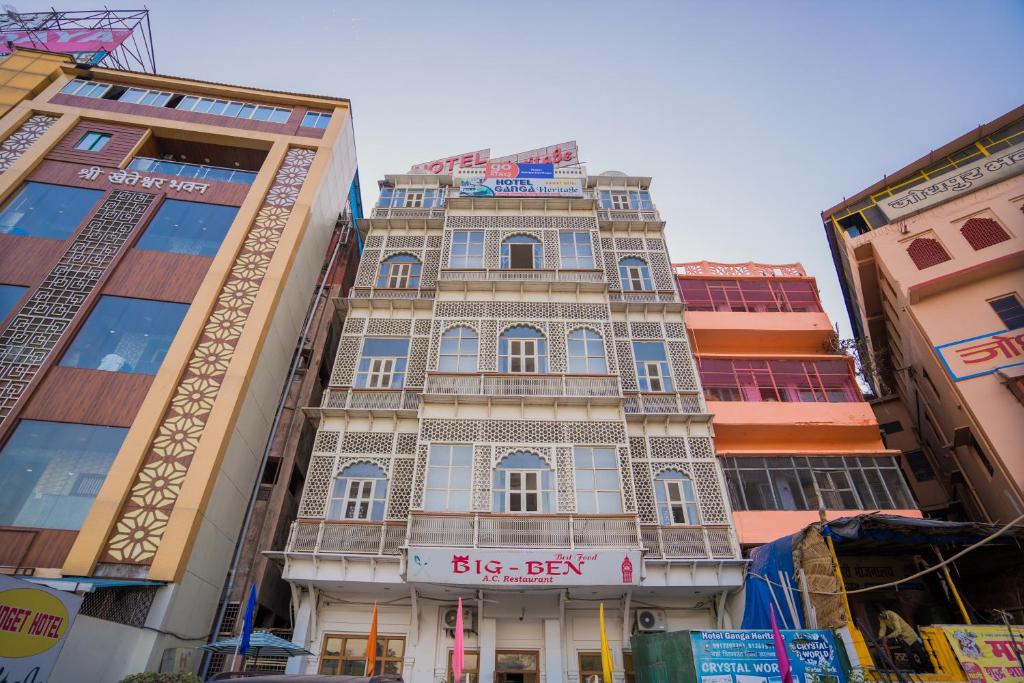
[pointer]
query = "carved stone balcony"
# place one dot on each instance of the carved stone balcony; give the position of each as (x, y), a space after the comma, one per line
(662, 297)
(668, 404)
(523, 531)
(321, 537)
(689, 542)
(375, 401)
(445, 387)
(628, 215)
(534, 279)
(436, 212)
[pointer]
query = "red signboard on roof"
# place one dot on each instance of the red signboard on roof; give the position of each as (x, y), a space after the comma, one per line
(562, 154)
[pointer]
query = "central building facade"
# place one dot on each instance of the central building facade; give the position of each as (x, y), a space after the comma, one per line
(513, 419)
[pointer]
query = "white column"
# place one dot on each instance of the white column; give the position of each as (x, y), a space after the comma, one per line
(553, 651)
(426, 649)
(301, 635)
(488, 644)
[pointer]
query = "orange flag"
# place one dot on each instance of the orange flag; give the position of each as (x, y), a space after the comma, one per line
(371, 643)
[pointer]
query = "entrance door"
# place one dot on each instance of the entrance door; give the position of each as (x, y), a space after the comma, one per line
(516, 666)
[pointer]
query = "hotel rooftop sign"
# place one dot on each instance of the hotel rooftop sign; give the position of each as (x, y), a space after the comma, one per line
(562, 154)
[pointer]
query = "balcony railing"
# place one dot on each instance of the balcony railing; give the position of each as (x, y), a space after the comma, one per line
(375, 293)
(523, 531)
(410, 212)
(627, 215)
(196, 171)
(666, 297)
(695, 542)
(663, 404)
(370, 399)
(330, 537)
(750, 268)
(516, 385)
(521, 275)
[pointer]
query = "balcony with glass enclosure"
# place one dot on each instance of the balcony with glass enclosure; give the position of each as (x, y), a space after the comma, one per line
(200, 172)
(424, 202)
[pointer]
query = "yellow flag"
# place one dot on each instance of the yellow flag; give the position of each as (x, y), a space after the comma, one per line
(607, 665)
(371, 643)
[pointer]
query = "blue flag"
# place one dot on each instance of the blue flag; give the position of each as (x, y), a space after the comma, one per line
(250, 614)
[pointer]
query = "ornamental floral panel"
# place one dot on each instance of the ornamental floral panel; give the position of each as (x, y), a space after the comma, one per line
(20, 140)
(144, 516)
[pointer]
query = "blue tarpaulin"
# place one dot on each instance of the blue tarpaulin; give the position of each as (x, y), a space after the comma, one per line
(767, 561)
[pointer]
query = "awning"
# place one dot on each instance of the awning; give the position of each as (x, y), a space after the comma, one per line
(75, 584)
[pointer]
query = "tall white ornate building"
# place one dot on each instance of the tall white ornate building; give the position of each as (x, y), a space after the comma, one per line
(514, 419)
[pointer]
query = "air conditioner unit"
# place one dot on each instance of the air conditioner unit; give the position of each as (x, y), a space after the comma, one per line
(468, 619)
(650, 620)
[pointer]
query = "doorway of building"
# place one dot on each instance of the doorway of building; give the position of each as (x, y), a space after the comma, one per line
(516, 666)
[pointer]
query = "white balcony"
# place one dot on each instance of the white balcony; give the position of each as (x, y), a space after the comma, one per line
(376, 401)
(689, 542)
(664, 404)
(534, 279)
(321, 537)
(523, 531)
(626, 216)
(583, 388)
(421, 213)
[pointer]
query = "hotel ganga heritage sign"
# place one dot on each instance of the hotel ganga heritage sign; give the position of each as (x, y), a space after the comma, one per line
(521, 568)
(960, 181)
(982, 355)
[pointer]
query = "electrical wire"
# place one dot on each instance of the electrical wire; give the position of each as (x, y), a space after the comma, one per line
(988, 539)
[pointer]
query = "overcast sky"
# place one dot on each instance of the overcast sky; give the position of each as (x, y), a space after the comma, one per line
(752, 117)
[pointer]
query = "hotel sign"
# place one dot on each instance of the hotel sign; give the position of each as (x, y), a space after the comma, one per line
(83, 43)
(521, 568)
(957, 183)
(34, 624)
(982, 355)
(562, 154)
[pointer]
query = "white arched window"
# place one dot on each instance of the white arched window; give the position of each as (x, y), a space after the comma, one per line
(359, 493)
(459, 349)
(521, 251)
(401, 271)
(586, 353)
(635, 275)
(677, 500)
(523, 482)
(522, 349)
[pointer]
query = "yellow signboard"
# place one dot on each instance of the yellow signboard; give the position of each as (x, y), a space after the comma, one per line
(34, 623)
(988, 654)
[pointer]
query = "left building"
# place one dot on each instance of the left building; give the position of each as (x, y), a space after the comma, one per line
(160, 241)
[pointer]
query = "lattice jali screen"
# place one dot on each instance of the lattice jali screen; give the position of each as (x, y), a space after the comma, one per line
(521, 431)
(668, 447)
(400, 487)
(500, 453)
(20, 140)
(645, 504)
(419, 477)
(343, 373)
(405, 444)
(417, 361)
(626, 472)
(40, 323)
(693, 456)
(367, 442)
(326, 441)
(682, 366)
(349, 348)
(369, 264)
(388, 327)
(354, 325)
(521, 310)
(710, 483)
(520, 222)
(627, 368)
(319, 478)
(481, 478)
(566, 480)
(651, 251)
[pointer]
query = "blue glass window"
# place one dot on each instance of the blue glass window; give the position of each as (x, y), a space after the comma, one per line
(390, 196)
(523, 483)
(125, 335)
(652, 366)
(522, 349)
(50, 211)
(382, 365)
(598, 487)
(401, 271)
(449, 479)
(93, 141)
(188, 228)
(635, 275)
(459, 348)
(520, 251)
(467, 249)
(677, 499)
(50, 472)
(316, 119)
(9, 295)
(359, 493)
(575, 250)
(586, 353)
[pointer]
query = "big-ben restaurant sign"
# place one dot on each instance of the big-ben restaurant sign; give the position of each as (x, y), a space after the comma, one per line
(34, 623)
(982, 355)
(1003, 164)
(521, 568)
(562, 154)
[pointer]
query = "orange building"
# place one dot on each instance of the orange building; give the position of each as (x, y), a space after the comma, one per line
(792, 427)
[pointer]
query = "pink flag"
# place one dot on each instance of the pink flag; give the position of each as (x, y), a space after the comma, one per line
(780, 652)
(459, 654)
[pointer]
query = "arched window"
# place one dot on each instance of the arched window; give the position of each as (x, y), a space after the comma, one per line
(459, 349)
(926, 252)
(983, 232)
(635, 275)
(522, 349)
(586, 353)
(401, 271)
(520, 251)
(359, 493)
(677, 501)
(523, 483)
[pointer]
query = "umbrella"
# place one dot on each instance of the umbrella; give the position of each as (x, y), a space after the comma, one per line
(264, 643)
